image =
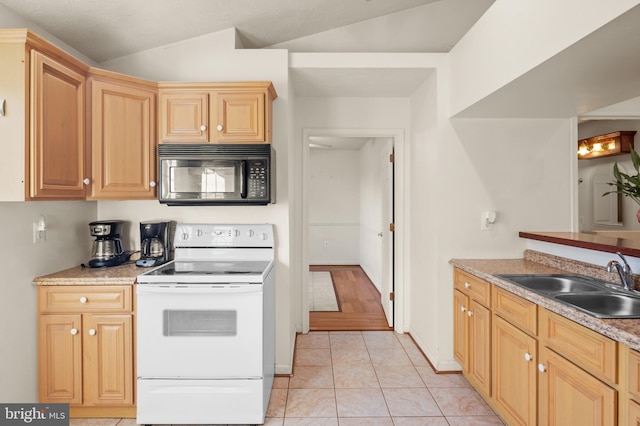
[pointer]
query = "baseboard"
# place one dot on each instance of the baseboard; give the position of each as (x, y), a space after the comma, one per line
(447, 366)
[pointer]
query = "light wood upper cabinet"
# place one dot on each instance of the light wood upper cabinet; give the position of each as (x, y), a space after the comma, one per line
(215, 112)
(123, 143)
(43, 129)
(85, 349)
(241, 117)
(57, 166)
(184, 117)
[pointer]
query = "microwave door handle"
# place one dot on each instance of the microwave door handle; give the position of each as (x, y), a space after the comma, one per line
(243, 179)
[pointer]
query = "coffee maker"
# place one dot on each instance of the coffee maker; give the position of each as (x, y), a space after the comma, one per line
(107, 247)
(156, 242)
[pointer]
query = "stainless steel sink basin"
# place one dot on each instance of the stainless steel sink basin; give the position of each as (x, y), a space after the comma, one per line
(595, 297)
(604, 305)
(553, 283)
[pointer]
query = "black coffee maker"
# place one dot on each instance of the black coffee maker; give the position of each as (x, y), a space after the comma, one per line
(106, 249)
(156, 242)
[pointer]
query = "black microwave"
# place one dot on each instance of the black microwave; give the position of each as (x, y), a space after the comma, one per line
(216, 174)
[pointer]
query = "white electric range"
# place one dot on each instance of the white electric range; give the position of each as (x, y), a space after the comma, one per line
(206, 328)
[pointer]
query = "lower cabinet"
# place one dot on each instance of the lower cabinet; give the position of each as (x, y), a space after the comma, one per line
(571, 396)
(514, 373)
(546, 369)
(85, 349)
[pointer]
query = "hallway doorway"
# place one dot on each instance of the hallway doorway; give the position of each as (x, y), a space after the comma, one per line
(350, 228)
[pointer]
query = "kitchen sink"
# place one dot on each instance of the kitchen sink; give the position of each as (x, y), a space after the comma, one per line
(553, 283)
(607, 305)
(595, 297)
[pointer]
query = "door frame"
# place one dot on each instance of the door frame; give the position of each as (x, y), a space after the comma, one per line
(401, 211)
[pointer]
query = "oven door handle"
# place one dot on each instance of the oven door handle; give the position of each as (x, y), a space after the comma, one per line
(198, 289)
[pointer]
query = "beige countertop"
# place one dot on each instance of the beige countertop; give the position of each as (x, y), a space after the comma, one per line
(79, 275)
(626, 331)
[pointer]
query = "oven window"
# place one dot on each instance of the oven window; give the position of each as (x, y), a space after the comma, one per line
(199, 323)
(208, 180)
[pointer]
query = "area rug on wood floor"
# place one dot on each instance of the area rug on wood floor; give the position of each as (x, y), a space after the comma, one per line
(322, 295)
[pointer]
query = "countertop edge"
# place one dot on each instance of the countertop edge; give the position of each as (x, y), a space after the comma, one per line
(619, 330)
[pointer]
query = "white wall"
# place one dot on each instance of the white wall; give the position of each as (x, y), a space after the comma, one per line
(334, 207)
(68, 244)
(459, 169)
(513, 37)
(587, 168)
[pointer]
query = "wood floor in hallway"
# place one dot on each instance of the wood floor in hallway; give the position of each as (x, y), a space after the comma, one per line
(358, 299)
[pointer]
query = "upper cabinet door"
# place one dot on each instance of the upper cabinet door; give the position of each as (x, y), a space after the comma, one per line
(240, 117)
(184, 117)
(122, 141)
(57, 168)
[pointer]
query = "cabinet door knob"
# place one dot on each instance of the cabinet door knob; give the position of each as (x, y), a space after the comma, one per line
(83, 299)
(92, 332)
(467, 285)
(528, 357)
(74, 331)
(462, 309)
(152, 184)
(203, 127)
(469, 313)
(86, 181)
(542, 368)
(220, 127)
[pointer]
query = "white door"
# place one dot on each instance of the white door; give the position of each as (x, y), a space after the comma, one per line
(386, 258)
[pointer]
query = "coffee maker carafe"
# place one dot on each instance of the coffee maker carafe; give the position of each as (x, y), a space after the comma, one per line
(156, 243)
(107, 247)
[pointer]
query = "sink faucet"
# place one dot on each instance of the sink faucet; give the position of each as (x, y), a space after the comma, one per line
(624, 270)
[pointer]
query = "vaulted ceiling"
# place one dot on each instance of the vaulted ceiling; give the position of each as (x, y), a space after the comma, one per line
(107, 29)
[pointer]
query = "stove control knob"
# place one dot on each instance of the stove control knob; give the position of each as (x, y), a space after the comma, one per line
(250, 233)
(185, 236)
(199, 233)
(265, 236)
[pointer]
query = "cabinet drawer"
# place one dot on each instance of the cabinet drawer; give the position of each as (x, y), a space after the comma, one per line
(478, 289)
(516, 310)
(84, 298)
(592, 351)
(634, 374)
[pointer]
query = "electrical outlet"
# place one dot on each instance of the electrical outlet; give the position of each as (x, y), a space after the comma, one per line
(326, 243)
(40, 230)
(38, 235)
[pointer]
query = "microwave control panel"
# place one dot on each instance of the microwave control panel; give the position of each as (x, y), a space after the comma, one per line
(257, 182)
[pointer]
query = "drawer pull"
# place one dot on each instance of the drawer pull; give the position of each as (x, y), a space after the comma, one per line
(462, 309)
(92, 332)
(542, 368)
(469, 313)
(467, 285)
(83, 299)
(74, 331)
(528, 357)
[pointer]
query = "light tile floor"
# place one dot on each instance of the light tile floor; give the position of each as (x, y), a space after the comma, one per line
(372, 378)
